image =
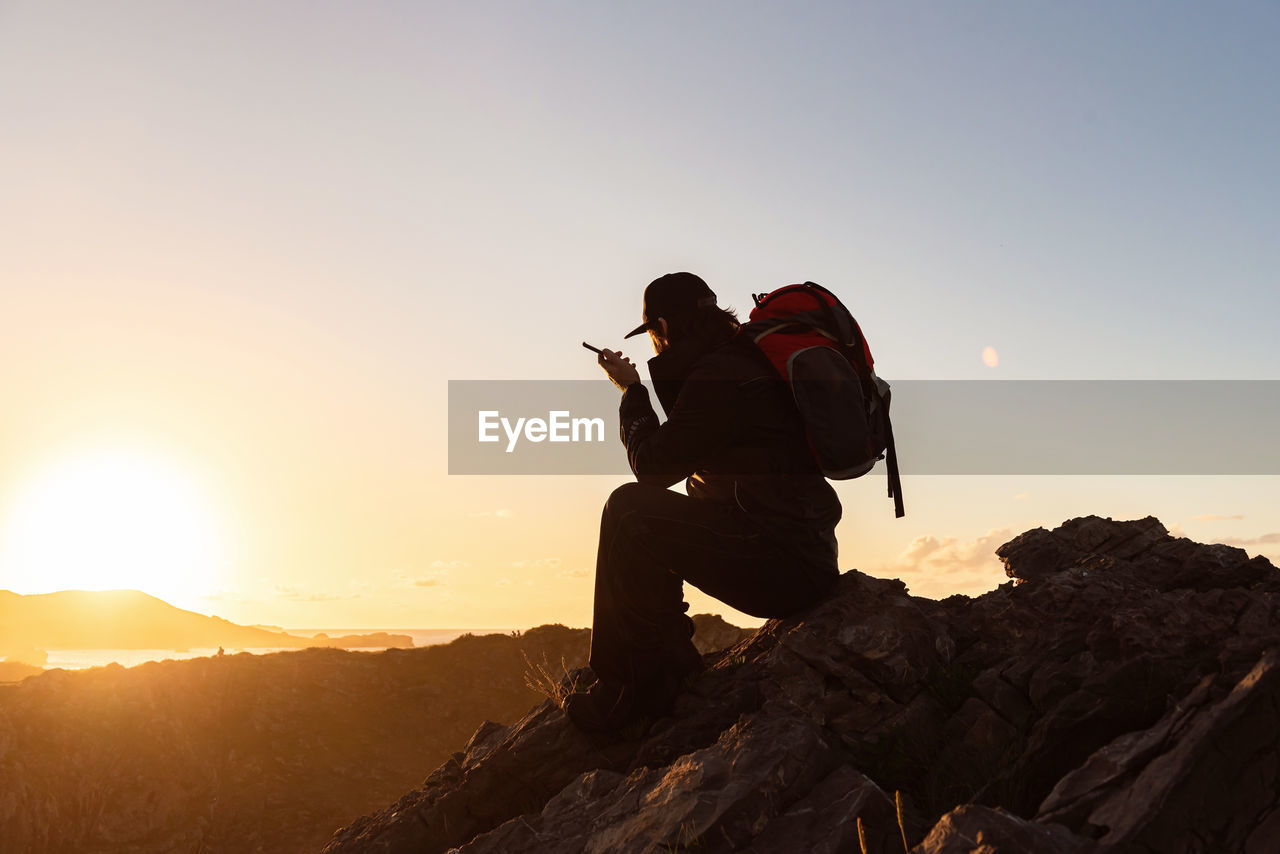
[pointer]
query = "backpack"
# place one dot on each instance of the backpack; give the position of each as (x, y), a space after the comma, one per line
(813, 341)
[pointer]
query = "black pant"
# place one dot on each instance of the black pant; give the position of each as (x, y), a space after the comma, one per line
(652, 540)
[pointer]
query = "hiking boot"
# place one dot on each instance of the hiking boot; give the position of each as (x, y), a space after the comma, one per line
(602, 708)
(661, 694)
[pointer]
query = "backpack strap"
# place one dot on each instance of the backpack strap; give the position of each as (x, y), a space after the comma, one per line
(891, 462)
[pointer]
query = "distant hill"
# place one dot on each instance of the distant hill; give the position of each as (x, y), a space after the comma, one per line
(16, 671)
(129, 619)
(241, 753)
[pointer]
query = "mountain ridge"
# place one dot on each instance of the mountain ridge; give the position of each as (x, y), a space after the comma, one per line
(132, 619)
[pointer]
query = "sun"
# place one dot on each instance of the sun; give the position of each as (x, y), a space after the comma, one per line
(107, 521)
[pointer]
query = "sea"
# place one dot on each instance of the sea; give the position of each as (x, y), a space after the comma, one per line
(81, 659)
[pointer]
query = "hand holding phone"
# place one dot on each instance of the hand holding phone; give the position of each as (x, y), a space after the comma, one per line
(616, 365)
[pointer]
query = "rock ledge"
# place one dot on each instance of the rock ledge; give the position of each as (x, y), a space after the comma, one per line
(1120, 693)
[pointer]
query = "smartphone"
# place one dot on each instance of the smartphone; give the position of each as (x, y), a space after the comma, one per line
(589, 347)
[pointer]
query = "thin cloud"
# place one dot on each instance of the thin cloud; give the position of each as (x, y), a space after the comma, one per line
(538, 563)
(435, 578)
(1214, 517)
(226, 596)
(297, 594)
(500, 513)
(938, 567)
(573, 573)
(1263, 540)
(1269, 542)
(436, 575)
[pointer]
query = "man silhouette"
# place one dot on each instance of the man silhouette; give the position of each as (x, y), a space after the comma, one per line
(756, 529)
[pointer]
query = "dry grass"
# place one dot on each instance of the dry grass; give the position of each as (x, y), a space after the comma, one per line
(687, 840)
(901, 825)
(540, 677)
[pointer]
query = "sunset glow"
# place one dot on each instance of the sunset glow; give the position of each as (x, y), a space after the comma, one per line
(253, 244)
(111, 521)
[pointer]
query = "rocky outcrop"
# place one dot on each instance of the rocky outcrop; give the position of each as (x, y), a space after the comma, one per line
(378, 640)
(972, 829)
(712, 633)
(1118, 694)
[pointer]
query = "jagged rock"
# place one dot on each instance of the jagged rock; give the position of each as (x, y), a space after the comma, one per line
(1038, 552)
(1206, 770)
(972, 829)
(713, 633)
(497, 779)
(719, 796)
(826, 820)
(1039, 687)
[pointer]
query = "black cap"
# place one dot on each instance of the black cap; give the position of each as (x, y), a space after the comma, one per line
(672, 295)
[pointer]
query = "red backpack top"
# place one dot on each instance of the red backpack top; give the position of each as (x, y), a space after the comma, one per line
(818, 348)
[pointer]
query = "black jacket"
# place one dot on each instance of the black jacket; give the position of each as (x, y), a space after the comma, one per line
(733, 431)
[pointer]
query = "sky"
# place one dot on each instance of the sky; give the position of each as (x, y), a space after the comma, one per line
(244, 247)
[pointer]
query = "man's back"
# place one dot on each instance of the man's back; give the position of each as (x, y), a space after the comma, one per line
(734, 432)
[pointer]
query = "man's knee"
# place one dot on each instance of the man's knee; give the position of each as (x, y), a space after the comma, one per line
(626, 515)
(626, 499)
